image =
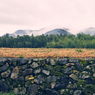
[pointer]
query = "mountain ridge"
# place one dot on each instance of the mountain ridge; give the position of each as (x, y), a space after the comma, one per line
(44, 31)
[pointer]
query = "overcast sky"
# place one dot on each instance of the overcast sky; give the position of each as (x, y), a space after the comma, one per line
(36, 14)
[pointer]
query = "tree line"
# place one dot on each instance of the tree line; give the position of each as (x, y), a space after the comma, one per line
(49, 41)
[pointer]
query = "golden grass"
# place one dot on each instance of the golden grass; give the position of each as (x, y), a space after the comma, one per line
(46, 52)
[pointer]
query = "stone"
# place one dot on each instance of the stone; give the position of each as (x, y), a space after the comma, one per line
(77, 92)
(27, 77)
(51, 79)
(65, 80)
(79, 66)
(89, 80)
(0, 69)
(33, 89)
(15, 90)
(39, 79)
(52, 61)
(53, 85)
(6, 74)
(5, 67)
(24, 67)
(23, 61)
(88, 67)
(94, 75)
(27, 72)
(3, 86)
(23, 91)
(35, 60)
(60, 86)
(46, 72)
(41, 62)
(68, 71)
(73, 60)
(69, 64)
(62, 91)
(34, 65)
(15, 72)
(85, 76)
(11, 68)
(47, 61)
(2, 61)
(74, 77)
(48, 67)
(51, 92)
(37, 71)
(62, 61)
(21, 78)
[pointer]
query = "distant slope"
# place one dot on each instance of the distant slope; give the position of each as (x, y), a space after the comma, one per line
(45, 31)
(57, 31)
(90, 31)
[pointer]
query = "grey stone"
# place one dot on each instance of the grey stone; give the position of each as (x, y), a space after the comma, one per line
(39, 79)
(33, 89)
(73, 60)
(23, 91)
(68, 71)
(23, 61)
(34, 65)
(51, 92)
(47, 61)
(2, 61)
(62, 61)
(64, 79)
(21, 78)
(5, 67)
(51, 79)
(3, 86)
(27, 72)
(52, 61)
(85, 76)
(46, 72)
(60, 86)
(37, 71)
(79, 66)
(89, 80)
(74, 77)
(24, 67)
(35, 60)
(6, 74)
(77, 92)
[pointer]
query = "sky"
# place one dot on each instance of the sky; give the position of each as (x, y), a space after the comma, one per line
(75, 15)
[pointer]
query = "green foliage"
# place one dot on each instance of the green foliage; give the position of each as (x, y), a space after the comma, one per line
(79, 50)
(20, 56)
(89, 89)
(51, 41)
(10, 93)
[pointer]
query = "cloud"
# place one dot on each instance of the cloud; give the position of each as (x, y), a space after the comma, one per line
(74, 14)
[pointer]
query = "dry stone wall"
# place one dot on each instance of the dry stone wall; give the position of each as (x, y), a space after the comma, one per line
(68, 76)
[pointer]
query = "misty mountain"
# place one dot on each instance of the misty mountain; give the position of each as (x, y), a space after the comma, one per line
(45, 31)
(90, 31)
(57, 31)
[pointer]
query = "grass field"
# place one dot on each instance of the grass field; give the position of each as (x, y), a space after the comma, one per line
(46, 52)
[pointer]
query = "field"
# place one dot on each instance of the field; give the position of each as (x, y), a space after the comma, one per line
(47, 53)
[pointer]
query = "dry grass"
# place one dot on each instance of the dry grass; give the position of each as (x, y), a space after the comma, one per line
(46, 53)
